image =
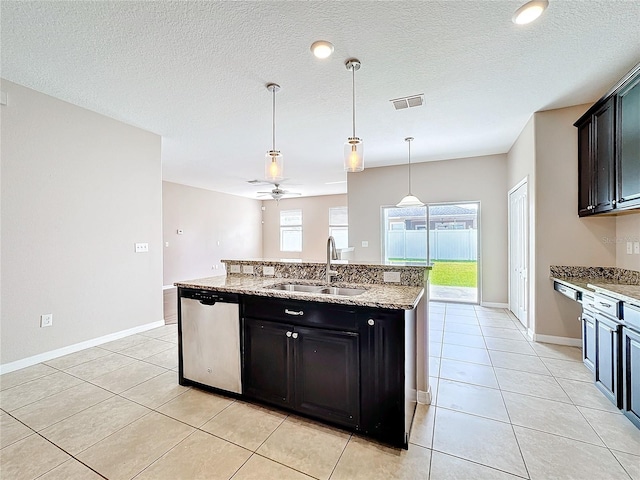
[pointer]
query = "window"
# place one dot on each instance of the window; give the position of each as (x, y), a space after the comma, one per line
(339, 226)
(291, 231)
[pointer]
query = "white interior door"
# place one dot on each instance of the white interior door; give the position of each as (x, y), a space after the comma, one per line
(518, 252)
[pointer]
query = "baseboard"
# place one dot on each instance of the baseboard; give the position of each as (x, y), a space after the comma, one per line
(494, 305)
(76, 347)
(571, 342)
(424, 397)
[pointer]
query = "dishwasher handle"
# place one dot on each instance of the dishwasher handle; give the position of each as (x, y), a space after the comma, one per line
(209, 301)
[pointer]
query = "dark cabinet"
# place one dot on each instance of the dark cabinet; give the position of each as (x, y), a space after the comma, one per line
(596, 153)
(609, 150)
(351, 366)
(628, 149)
(631, 375)
(267, 361)
(607, 370)
(588, 339)
(311, 370)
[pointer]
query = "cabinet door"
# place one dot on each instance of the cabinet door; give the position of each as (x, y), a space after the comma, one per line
(631, 375)
(628, 154)
(327, 374)
(588, 340)
(267, 361)
(607, 365)
(585, 169)
(603, 145)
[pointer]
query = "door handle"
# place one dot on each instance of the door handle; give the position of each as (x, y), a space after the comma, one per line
(293, 312)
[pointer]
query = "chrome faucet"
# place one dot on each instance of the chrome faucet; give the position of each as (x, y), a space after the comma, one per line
(332, 254)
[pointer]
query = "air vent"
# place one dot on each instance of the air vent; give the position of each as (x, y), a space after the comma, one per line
(407, 102)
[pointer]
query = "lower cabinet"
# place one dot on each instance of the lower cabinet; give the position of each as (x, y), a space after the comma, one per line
(631, 375)
(607, 351)
(588, 339)
(350, 366)
(311, 370)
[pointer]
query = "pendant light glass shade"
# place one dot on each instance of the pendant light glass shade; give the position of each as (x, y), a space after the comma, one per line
(409, 199)
(274, 162)
(353, 148)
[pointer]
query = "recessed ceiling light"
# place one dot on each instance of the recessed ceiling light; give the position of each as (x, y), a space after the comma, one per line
(322, 48)
(528, 12)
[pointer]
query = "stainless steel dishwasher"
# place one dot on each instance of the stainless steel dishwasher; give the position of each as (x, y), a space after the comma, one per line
(210, 339)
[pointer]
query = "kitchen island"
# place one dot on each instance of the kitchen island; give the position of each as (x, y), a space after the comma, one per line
(351, 354)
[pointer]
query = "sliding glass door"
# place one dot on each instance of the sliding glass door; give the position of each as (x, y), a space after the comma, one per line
(445, 235)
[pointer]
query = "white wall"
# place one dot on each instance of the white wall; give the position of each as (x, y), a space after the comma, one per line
(215, 226)
(315, 225)
(561, 237)
(627, 230)
(78, 190)
(481, 179)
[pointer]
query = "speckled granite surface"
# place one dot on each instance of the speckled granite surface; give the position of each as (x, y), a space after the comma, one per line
(615, 282)
(360, 273)
(397, 297)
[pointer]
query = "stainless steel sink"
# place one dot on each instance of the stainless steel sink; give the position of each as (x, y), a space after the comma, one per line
(348, 292)
(296, 287)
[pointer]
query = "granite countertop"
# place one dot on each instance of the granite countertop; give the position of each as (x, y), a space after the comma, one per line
(397, 297)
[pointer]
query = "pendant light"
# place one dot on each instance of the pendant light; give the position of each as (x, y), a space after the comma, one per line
(274, 163)
(353, 149)
(409, 200)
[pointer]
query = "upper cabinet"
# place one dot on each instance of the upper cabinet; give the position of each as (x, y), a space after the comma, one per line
(609, 150)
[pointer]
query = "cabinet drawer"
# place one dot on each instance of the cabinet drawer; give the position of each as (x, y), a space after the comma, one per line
(566, 291)
(588, 302)
(631, 316)
(607, 305)
(297, 312)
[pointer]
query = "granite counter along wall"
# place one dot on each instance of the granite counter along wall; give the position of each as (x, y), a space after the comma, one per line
(413, 276)
(597, 274)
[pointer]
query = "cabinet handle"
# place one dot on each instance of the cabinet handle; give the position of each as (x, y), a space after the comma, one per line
(288, 334)
(613, 202)
(371, 322)
(295, 335)
(293, 312)
(608, 305)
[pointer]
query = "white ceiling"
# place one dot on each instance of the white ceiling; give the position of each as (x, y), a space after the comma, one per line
(195, 73)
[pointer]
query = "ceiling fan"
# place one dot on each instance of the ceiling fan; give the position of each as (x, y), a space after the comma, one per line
(277, 193)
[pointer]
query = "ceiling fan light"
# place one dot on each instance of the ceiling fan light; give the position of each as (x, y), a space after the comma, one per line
(410, 201)
(353, 159)
(528, 12)
(274, 166)
(322, 49)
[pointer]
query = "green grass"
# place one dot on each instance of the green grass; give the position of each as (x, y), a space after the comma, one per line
(454, 274)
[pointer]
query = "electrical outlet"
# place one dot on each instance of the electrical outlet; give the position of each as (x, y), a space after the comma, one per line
(365, 243)
(636, 248)
(268, 271)
(247, 269)
(234, 268)
(391, 277)
(629, 248)
(46, 320)
(142, 247)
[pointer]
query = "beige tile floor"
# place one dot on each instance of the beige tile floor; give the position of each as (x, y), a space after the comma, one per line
(503, 408)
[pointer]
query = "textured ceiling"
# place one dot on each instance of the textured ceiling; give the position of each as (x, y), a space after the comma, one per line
(195, 73)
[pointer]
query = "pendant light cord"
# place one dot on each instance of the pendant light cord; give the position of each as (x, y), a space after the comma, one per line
(274, 119)
(409, 142)
(353, 83)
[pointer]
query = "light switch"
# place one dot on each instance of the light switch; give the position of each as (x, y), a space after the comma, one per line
(142, 247)
(629, 248)
(636, 248)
